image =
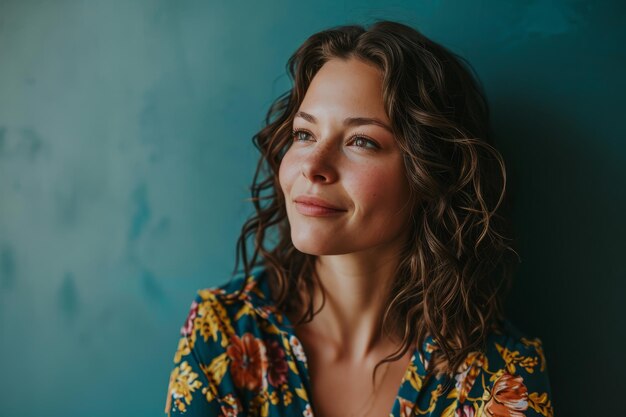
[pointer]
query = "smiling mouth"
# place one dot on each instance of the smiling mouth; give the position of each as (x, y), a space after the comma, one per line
(316, 211)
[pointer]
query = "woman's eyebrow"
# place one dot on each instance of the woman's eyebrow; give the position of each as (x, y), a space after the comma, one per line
(348, 121)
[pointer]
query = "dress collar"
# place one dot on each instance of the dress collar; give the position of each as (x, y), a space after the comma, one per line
(414, 384)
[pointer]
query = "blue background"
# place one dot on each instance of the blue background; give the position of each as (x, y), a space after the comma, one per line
(126, 156)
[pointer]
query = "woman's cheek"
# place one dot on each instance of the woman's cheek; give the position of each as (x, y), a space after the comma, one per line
(373, 181)
(286, 173)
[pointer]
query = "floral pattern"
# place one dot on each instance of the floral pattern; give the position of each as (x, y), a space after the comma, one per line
(464, 411)
(278, 369)
(509, 397)
(248, 361)
(238, 356)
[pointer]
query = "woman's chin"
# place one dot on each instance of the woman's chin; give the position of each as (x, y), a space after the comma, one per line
(317, 247)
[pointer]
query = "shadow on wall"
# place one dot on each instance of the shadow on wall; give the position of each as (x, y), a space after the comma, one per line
(568, 204)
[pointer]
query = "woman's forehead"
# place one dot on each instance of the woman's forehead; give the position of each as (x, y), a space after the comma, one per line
(346, 88)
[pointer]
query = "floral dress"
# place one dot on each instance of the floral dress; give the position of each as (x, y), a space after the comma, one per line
(239, 356)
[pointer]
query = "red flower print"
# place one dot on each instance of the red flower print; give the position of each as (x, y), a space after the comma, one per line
(188, 326)
(278, 368)
(248, 361)
(509, 397)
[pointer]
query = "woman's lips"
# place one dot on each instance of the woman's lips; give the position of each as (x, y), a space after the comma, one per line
(313, 206)
(318, 211)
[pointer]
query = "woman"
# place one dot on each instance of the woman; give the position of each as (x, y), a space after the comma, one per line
(380, 254)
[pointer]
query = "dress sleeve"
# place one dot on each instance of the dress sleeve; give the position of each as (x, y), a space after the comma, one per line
(523, 387)
(190, 392)
(537, 382)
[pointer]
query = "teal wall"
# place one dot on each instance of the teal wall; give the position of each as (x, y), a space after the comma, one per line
(126, 155)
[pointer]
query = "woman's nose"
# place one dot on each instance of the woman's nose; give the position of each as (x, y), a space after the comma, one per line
(319, 164)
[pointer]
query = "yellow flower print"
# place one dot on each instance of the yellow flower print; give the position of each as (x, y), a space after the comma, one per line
(182, 350)
(541, 404)
(412, 376)
(274, 398)
(287, 396)
(537, 344)
(211, 320)
(512, 358)
(183, 382)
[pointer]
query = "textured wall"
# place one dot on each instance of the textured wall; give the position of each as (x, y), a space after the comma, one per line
(125, 159)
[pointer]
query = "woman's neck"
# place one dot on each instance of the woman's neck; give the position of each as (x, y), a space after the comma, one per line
(357, 288)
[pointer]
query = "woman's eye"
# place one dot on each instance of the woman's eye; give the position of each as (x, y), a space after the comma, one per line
(359, 141)
(299, 135)
(362, 142)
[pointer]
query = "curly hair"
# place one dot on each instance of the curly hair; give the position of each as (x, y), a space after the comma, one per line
(456, 269)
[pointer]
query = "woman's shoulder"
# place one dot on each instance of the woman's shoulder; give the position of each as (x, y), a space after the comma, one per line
(511, 348)
(242, 304)
(236, 289)
(509, 376)
(227, 341)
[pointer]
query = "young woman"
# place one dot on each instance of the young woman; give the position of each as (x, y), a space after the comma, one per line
(380, 259)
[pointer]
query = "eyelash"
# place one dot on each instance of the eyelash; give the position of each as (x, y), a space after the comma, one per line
(294, 132)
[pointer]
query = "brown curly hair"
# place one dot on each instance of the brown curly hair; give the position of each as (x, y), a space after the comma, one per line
(456, 269)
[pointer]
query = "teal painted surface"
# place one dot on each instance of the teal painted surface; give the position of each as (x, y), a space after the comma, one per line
(125, 159)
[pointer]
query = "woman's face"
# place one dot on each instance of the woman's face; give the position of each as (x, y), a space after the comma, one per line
(352, 163)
